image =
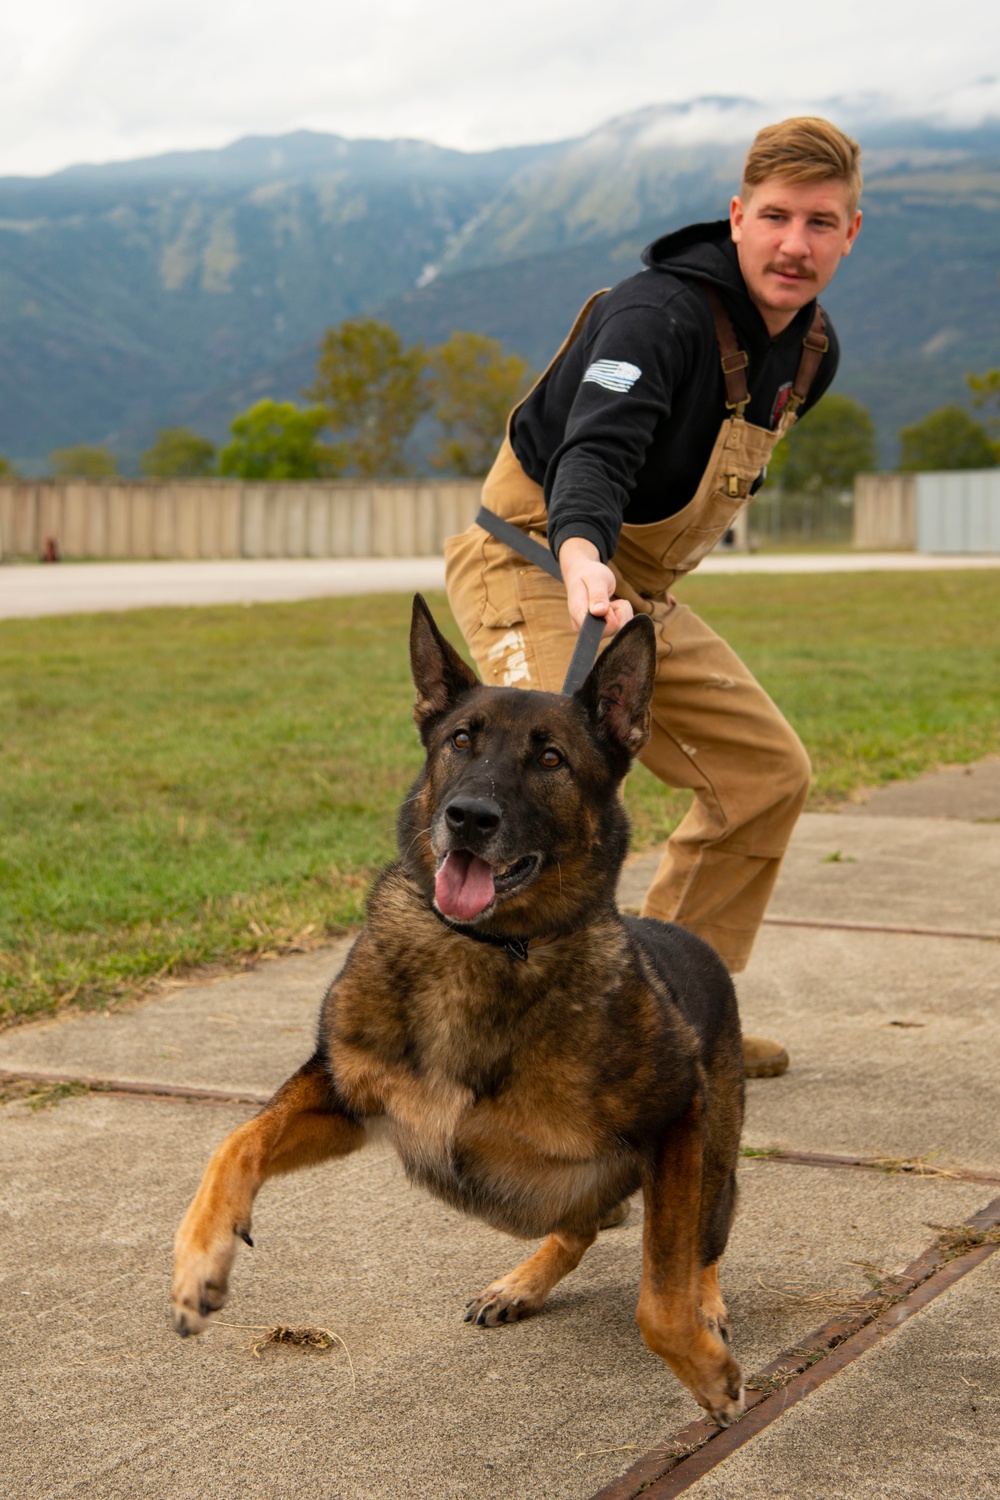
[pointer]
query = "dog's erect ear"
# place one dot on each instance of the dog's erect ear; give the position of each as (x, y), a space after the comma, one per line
(618, 692)
(439, 673)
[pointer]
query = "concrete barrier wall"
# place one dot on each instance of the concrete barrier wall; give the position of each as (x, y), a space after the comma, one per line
(195, 518)
(885, 512)
(958, 511)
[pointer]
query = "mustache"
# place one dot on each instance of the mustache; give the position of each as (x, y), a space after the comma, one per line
(792, 268)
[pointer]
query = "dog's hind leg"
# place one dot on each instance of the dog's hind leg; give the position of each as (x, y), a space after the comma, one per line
(300, 1126)
(524, 1290)
(723, 1126)
(674, 1277)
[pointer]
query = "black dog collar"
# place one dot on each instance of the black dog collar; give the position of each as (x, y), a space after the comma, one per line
(516, 947)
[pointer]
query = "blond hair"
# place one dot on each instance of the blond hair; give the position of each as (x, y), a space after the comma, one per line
(804, 149)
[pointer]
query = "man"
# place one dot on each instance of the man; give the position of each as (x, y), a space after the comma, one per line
(630, 459)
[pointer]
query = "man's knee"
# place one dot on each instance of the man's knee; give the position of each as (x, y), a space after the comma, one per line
(790, 773)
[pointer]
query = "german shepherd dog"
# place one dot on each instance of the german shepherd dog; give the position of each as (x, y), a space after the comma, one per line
(535, 1056)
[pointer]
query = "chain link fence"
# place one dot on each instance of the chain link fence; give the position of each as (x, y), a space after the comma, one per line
(801, 518)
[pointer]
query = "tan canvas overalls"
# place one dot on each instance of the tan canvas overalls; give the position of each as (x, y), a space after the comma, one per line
(714, 729)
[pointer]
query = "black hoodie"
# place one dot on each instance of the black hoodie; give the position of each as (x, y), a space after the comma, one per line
(623, 426)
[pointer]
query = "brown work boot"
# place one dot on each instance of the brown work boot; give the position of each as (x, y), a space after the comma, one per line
(763, 1059)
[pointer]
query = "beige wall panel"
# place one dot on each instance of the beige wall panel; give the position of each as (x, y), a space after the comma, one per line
(404, 508)
(7, 539)
(164, 522)
(95, 522)
(7, 548)
(186, 539)
(318, 522)
(25, 529)
(225, 518)
(228, 499)
(393, 530)
(885, 514)
(383, 519)
(141, 540)
(76, 502)
(340, 534)
(274, 522)
(425, 521)
(362, 513)
(208, 518)
(253, 521)
(120, 502)
(296, 520)
(48, 516)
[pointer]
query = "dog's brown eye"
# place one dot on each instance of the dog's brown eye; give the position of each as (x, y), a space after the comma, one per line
(551, 758)
(461, 739)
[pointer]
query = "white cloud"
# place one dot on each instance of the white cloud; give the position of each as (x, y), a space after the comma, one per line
(116, 78)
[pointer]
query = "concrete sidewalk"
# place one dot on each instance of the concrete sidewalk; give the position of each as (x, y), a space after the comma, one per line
(894, 1039)
(85, 588)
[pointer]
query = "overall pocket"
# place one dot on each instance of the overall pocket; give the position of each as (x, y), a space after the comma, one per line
(501, 605)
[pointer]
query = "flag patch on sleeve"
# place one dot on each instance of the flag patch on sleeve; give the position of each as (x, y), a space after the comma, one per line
(613, 374)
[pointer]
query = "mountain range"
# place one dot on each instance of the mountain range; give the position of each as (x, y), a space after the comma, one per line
(180, 288)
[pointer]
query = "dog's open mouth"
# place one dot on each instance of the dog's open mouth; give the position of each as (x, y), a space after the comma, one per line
(466, 885)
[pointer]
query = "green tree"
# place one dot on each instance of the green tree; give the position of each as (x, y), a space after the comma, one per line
(985, 390)
(83, 462)
(7, 469)
(946, 439)
(373, 391)
(278, 440)
(823, 454)
(179, 453)
(474, 384)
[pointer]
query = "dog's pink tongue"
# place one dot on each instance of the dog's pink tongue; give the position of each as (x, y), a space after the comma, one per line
(464, 885)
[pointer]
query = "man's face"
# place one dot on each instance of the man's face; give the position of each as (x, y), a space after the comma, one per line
(790, 237)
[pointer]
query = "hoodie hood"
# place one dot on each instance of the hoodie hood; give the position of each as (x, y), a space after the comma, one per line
(703, 252)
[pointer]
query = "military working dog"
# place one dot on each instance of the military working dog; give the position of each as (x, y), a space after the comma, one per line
(535, 1056)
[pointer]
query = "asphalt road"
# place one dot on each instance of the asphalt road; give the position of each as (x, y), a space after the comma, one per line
(89, 588)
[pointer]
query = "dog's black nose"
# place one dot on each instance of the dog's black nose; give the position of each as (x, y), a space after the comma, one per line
(472, 815)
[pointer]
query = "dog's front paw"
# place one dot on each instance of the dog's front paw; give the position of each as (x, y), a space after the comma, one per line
(722, 1394)
(203, 1259)
(504, 1301)
(730, 1408)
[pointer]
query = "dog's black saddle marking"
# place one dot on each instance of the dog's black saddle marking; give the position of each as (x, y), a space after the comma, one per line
(516, 947)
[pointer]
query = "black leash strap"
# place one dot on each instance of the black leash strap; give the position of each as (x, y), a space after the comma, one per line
(591, 631)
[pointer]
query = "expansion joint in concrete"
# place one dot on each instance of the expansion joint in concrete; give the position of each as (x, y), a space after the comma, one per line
(674, 1466)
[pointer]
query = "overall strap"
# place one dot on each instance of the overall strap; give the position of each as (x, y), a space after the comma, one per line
(735, 360)
(814, 346)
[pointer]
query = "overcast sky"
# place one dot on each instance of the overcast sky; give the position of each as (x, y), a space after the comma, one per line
(101, 80)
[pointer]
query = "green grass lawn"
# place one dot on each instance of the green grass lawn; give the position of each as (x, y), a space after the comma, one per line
(181, 787)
